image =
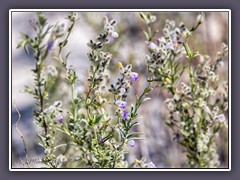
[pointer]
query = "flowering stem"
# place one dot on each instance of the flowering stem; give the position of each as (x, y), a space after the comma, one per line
(64, 42)
(92, 85)
(188, 50)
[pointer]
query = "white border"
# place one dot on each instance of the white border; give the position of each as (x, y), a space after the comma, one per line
(115, 10)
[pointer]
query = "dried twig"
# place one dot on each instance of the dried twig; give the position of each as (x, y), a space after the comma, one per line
(21, 135)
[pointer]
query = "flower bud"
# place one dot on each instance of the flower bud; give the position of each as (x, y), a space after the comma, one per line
(200, 18)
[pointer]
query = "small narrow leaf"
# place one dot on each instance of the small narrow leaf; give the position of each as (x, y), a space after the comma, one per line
(146, 99)
(147, 36)
(23, 43)
(98, 119)
(142, 16)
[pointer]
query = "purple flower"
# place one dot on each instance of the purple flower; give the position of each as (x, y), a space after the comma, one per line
(125, 115)
(131, 143)
(111, 39)
(160, 41)
(134, 76)
(121, 104)
(50, 45)
(60, 119)
(221, 118)
(170, 45)
(101, 139)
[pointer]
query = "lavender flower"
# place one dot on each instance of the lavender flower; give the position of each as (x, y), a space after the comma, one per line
(131, 143)
(171, 45)
(121, 104)
(101, 139)
(134, 76)
(50, 45)
(125, 115)
(221, 118)
(60, 119)
(206, 108)
(160, 41)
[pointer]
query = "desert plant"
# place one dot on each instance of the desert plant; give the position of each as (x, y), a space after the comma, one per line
(79, 128)
(196, 104)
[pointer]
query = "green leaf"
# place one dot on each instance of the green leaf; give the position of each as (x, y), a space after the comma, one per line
(147, 90)
(85, 121)
(133, 124)
(23, 43)
(27, 89)
(137, 138)
(25, 36)
(107, 137)
(146, 99)
(142, 16)
(63, 131)
(64, 43)
(41, 19)
(67, 56)
(147, 36)
(216, 128)
(192, 29)
(46, 32)
(148, 16)
(98, 119)
(134, 135)
(91, 120)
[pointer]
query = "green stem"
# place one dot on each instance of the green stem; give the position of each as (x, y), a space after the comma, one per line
(74, 103)
(91, 88)
(66, 39)
(149, 32)
(188, 50)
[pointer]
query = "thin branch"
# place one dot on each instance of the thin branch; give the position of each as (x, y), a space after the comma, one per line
(21, 135)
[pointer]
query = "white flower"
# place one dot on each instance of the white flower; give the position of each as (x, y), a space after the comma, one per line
(153, 46)
(153, 18)
(109, 27)
(122, 91)
(151, 165)
(114, 34)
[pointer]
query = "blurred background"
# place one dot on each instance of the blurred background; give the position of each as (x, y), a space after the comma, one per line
(159, 146)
